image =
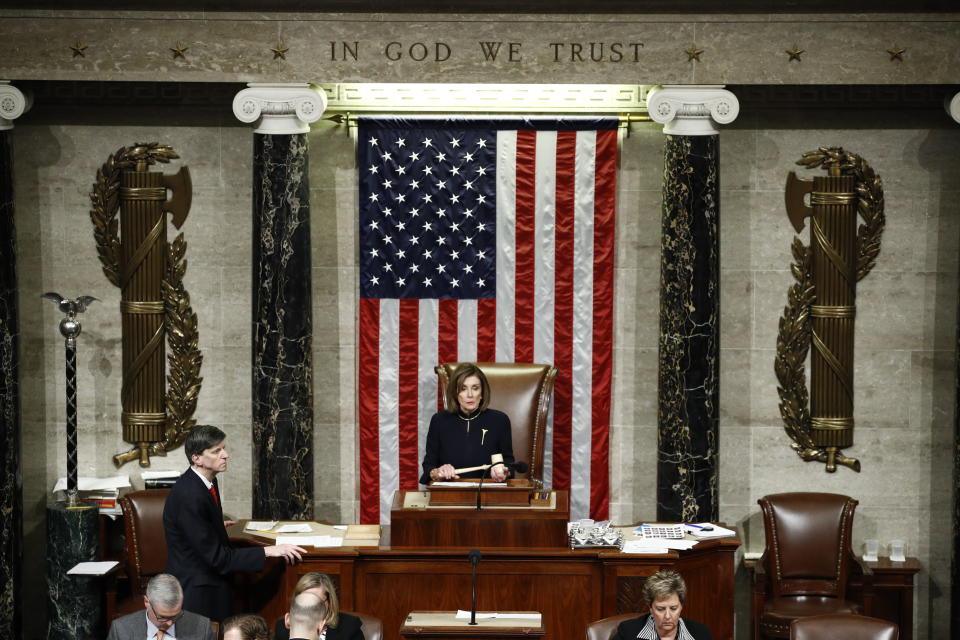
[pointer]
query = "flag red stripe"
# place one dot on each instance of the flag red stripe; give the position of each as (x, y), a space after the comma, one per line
(563, 308)
(368, 395)
(486, 330)
(525, 245)
(408, 383)
(605, 195)
(446, 337)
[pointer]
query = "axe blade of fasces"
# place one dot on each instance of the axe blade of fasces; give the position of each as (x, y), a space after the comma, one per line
(793, 195)
(179, 203)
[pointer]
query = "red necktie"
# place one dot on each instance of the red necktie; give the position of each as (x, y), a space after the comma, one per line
(213, 492)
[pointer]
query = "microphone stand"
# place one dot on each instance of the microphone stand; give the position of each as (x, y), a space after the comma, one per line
(480, 486)
(474, 561)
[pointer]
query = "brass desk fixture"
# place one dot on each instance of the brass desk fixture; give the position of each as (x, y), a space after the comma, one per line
(821, 303)
(154, 304)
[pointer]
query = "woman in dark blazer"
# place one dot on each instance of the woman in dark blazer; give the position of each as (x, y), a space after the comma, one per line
(340, 626)
(665, 592)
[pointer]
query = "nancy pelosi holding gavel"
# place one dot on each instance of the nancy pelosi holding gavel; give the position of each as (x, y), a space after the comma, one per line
(469, 433)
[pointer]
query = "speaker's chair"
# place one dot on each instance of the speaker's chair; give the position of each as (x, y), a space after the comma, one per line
(524, 392)
(145, 541)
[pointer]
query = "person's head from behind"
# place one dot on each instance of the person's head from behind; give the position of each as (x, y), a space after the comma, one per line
(665, 592)
(205, 448)
(468, 390)
(163, 601)
(307, 617)
(245, 627)
(321, 585)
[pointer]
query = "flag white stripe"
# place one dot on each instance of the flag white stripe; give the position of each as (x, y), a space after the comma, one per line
(545, 217)
(389, 403)
(467, 331)
(427, 360)
(582, 374)
(506, 243)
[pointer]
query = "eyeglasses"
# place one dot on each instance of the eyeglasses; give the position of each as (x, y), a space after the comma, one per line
(161, 619)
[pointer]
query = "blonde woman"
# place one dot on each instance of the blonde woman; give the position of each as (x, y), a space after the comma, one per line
(339, 625)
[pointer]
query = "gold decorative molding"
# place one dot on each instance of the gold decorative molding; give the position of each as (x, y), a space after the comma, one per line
(78, 49)
(693, 53)
(896, 53)
(280, 51)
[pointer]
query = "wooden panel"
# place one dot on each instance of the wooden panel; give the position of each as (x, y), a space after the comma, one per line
(446, 527)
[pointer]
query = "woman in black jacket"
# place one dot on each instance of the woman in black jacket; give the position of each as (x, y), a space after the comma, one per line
(665, 592)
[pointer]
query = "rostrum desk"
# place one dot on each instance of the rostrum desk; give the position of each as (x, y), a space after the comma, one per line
(571, 588)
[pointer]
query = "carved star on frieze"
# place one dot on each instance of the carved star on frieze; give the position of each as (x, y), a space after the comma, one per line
(693, 53)
(179, 51)
(280, 51)
(78, 49)
(795, 53)
(896, 53)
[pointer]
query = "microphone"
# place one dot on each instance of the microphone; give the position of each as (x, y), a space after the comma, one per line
(474, 556)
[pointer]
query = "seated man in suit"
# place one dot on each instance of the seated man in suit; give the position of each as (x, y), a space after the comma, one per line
(164, 616)
(307, 617)
(199, 552)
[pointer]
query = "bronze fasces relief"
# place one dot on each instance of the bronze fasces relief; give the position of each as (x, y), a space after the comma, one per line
(161, 357)
(821, 304)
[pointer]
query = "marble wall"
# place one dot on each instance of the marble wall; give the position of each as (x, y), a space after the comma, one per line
(905, 331)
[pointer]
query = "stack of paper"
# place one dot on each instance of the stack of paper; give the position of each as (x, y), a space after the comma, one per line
(102, 493)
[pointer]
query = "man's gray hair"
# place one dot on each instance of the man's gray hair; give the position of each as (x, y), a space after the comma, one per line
(165, 590)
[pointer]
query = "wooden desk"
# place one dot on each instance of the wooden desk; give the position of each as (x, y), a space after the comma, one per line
(444, 625)
(468, 527)
(570, 587)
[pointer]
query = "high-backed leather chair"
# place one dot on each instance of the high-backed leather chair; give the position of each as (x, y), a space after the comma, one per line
(808, 558)
(371, 626)
(843, 627)
(606, 628)
(146, 543)
(524, 392)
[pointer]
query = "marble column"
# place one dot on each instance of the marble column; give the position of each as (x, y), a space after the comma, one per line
(281, 298)
(74, 602)
(953, 108)
(12, 105)
(688, 389)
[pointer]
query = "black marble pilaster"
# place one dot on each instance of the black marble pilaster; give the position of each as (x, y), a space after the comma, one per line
(689, 354)
(11, 500)
(74, 601)
(282, 330)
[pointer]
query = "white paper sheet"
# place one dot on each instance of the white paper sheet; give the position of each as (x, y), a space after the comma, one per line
(644, 546)
(92, 568)
(260, 525)
(487, 615)
(311, 541)
(299, 527)
(95, 484)
(696, 529)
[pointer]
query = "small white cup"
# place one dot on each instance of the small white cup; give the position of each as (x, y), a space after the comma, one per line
(896, 551)
(871, 547)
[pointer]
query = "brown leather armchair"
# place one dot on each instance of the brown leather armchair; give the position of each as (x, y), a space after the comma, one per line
(524, 392)
(371, 626)
(606, 628)
(146, 543)
(843, 627)
(805, 568)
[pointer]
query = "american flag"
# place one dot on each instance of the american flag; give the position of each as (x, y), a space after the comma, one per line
(485, 241)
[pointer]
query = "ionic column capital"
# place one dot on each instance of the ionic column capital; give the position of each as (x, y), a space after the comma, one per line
(953, 107)
(279, 108)
(13, 103)
(690, 109)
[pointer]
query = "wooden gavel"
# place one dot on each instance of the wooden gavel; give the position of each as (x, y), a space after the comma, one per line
(495, 459)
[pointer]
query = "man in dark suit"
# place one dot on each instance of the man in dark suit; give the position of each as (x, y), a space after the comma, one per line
(306, 619)
(198, 549)
(164, 616)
